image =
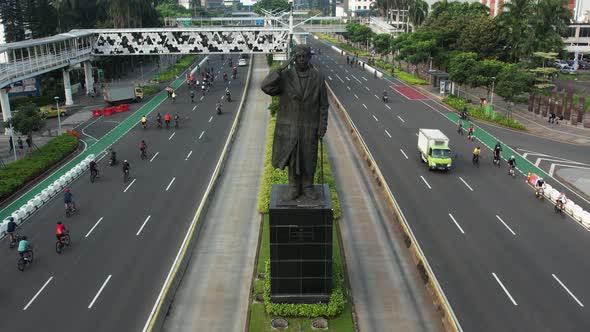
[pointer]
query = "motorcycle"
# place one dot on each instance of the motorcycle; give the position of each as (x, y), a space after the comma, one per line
(385, 99)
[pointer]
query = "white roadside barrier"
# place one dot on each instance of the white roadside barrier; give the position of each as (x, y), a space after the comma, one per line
(47, 194)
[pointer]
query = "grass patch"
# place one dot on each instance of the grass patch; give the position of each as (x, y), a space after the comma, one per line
(402, 75)
(476, 112)
(150, 89)
(17, 174)
(173, 71)
(342, 45)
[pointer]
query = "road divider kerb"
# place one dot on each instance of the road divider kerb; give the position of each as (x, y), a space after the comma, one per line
(449, 319)
(157, 315)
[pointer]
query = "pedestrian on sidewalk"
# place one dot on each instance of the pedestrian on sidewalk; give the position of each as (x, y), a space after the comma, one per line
(347, 60)
(551, 117)
(29, 143)
(19, 141)
(11, 143)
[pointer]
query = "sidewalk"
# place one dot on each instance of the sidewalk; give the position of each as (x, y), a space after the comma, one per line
(78, 113)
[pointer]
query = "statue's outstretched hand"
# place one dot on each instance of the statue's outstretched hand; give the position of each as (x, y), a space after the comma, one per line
(321, 132)
(286, 65)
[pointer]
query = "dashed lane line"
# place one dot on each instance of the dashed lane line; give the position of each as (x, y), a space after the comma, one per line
(504, 288)
(456, 223)
(38, 292)
(93, 227)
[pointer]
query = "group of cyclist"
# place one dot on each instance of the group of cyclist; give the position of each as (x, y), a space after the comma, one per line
(167, 118)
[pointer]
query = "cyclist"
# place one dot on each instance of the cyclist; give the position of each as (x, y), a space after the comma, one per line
(511, 163)
(142, 147)
(10, 229)
(470, 132)
(60, 230)
(93, 170)
(23, 246)
(167, 120)
(225, 76)
(159, 119)
(476, 153)
(69, 200)
(385, 97)
(192, 96)
(228, 94)
(113, 157)
(176, 120)
(539, 186)
(144, 121)
(460, 129)
(173, 97)
(218, 108)
(126, 168)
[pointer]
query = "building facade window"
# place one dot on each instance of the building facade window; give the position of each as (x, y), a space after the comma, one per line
(584, 32)
(571, 32)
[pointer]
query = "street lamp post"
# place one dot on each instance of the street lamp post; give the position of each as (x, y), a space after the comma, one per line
(493, 84)
(58, 115)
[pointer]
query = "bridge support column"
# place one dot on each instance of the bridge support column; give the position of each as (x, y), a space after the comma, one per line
(88, 77)
(68, 88)
(5, 104)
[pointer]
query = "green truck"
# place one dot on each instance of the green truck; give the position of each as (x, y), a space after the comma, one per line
(434, 150)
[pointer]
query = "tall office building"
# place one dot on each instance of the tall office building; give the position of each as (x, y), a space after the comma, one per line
(496, 6)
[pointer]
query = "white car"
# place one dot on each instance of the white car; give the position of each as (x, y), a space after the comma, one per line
(242, 62)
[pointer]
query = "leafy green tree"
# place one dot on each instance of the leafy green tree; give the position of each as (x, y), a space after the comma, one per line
(486, 73)
(40, 17)
(417, 12)
(462, 68)
(513, 81)
(271, 5)
(382, 43)
(27, 118)
(11, 14)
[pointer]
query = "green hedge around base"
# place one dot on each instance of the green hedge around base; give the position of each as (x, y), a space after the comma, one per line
(477, 112)
(17, 174)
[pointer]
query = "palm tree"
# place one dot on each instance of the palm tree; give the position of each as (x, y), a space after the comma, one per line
(417, 13)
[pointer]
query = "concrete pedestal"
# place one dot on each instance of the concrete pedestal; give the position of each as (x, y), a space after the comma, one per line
(300, 248)
(68, 88)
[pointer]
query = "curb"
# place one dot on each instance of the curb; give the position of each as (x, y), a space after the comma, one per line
(449, 319)
(157, 316)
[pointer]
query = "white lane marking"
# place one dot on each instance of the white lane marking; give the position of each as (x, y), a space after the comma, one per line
(402, 120)
(194, 107)
(567, 290)
(388, 107)
(365, 106)
(339, 78)
(456, 223)
(374, 117)
(129, 186)
(502, 221)
(376, 96)
(171, 182)
(154, 157)
(142, 225)
(367, 88)
(364, 78)
(222, 97)
(552, 168)
(38, 292)
(202, 97)
(346, 70)
(405, 155)
(348, 79)
(357, 97)
(465, 183)
(356, 79)
(423, 179)
(201, 134)
(99, 291)
(504, 288)
(348, 88)
(387, 133)
(174, 133)
(330, 78)
(210, 119)
(189, 155)
(93, 227)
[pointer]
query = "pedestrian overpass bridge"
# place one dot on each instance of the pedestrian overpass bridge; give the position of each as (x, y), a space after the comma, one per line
(30, 58)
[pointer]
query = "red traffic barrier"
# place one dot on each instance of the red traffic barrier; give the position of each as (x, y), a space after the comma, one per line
(125, 107)
(96, 113)
(532, 179)
(74, 133)
(108, 111)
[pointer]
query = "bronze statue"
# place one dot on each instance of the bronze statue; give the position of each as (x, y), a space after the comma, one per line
(302, 120)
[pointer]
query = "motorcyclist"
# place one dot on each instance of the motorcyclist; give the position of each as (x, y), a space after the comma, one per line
(228, 94)
(385, 97)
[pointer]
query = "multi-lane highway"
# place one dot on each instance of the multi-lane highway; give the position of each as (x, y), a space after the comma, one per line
(505, 261)
(125, 235)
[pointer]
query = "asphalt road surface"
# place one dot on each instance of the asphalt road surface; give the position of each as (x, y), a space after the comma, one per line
(505, 261)
(125, 235)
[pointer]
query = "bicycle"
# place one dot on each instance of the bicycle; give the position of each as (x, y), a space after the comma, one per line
(125, 176)
(475, 160)
(64, 241)
(143, 154)
(93, 175)
(26, 258)
(70, 210)
(558, 207)
(13, 239)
